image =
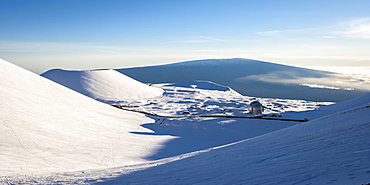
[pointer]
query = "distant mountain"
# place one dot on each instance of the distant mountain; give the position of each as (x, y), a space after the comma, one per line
(103, 85)
(255, 78)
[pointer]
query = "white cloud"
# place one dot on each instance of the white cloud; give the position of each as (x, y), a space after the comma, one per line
(290, 32)
(270, 33)
(52, 47)
(318, 86)
(358, 29)
(328, 82)
(31, 47)
(328, 37)
(109, 51)
(199, 39)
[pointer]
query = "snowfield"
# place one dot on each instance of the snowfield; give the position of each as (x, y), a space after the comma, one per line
(195, 132)
(329, 150)
(202, 98)
(46, 127)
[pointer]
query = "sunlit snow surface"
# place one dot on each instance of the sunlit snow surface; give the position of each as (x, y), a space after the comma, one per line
(48, 128)
(191, 133)
(214, 99)
(181, 146)
(103, 85)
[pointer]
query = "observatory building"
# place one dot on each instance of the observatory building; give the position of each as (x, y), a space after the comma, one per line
(255, 108)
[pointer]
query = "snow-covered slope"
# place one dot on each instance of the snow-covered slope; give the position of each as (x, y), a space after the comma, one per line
(329, 150)
(355, 102)
(45, 127)
(257, 78)
(338, 107)
(48, 128)
(103, 85)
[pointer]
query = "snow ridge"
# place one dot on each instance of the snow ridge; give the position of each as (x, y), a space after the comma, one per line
(103, 85)
(215, 62)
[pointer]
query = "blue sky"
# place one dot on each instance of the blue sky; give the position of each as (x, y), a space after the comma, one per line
(87, 34)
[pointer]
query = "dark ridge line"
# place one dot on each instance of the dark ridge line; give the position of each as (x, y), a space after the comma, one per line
(213, 116)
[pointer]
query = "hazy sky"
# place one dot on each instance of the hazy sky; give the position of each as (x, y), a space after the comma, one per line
(87, 34)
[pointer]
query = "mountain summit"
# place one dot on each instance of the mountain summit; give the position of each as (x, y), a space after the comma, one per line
(255, 78)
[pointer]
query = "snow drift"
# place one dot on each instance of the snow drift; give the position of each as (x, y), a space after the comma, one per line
(45, 127)
(103, 85)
